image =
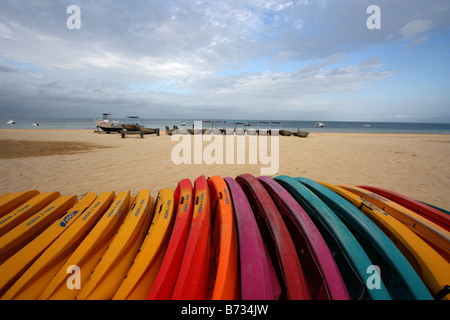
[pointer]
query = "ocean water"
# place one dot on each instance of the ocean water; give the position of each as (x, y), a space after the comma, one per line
(329, 126)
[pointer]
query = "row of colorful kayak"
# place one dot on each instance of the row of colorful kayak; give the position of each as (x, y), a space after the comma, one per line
(222, 239)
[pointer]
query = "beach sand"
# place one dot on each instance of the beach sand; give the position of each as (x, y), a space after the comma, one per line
(78, 161)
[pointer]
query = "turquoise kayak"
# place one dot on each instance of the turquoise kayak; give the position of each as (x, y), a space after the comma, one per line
(352, 260)
(396, 272)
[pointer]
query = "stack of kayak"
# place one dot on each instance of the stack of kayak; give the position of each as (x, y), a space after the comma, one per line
(223, 239)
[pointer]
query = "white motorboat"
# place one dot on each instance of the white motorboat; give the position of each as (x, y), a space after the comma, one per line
(319, 124)
(107, 125)
(10, 122)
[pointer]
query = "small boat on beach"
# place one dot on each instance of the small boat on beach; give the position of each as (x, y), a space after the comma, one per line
(286, 133)
(269, 130)
(275, 132)
(133, 127)
(250, 130)
(132, 123)
(213, 130)
(145, 130)
(239, 131)
(108, 125)
(170, 131)
(301, 133)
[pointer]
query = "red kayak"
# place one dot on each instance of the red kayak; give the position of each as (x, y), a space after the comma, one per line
(277, 239)
(323, 276)
(426, 211)
(164, 284)
(192, 281)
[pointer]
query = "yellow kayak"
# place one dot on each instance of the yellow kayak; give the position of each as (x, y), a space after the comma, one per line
(436, 236)
(18, 237)
(31, 284)
(12, 268)
(11, 201)
(429, 265)
(115, 263)
(89, 252)
(18, 215)
(142, 274)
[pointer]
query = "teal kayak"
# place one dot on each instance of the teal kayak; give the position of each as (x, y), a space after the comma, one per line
(396, 272)
(352, 260)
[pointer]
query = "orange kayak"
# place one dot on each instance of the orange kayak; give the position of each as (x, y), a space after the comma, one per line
(22, 234)
(167, 275)
(16, 265)
(114, 264)
(36, 278)
(11, 201)
(192, 282)
(89, 252)
(431, 213)
(18, 215)
(437, 237)
(142, 274)
(224, 276)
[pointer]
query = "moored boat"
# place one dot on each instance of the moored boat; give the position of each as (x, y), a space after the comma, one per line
(285, 132)
(301, 133)
(130, 126)
(107, 125)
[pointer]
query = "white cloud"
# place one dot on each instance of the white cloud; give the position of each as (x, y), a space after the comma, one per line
(415, 28)
(417, 41)
(105, 60)
(202, 53)
(414, 116)
(5, 32)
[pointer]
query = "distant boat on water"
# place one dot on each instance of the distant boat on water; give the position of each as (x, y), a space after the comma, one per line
(36, 124)
(366, 125)
(10, 122)
(319, 124)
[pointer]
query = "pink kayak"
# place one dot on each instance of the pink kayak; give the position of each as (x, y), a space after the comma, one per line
(277, 239)
(324, 279)
(258, 278)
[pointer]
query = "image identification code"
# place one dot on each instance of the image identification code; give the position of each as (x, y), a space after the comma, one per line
(230, 309)
(252, 309)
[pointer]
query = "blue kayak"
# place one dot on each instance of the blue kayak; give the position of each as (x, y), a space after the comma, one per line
(401, 279)
(352, 260)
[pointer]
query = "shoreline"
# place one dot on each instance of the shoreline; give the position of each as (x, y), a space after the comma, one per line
(415, 164)
(163, 132)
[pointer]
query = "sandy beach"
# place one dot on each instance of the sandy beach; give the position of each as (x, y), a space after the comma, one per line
(78, 161)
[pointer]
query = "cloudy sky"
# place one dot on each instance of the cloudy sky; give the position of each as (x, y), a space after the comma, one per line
(250, 59)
